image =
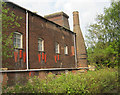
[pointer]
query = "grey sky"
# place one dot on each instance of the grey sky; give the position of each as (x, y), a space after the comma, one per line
(88, 9)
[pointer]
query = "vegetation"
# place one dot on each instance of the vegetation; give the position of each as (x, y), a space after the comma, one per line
(104, 38)
(103, 42)
(100, 81)
(103, 50)
(9, 19)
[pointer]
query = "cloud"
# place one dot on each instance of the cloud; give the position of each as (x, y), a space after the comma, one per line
(42, 7)
(88, 9)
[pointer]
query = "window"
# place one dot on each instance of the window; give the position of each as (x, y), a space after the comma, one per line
(66, 49)
(17, 40)
(57, 50)
(40, 44)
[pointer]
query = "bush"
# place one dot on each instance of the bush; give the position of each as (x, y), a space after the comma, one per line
(100, 81)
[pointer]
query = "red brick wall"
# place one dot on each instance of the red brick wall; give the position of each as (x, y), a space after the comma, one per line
(61, 20)
(10, 62)
(57, 20)
(4, 79)
(40, 28)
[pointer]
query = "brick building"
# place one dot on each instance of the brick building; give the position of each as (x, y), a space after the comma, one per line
(44, 43)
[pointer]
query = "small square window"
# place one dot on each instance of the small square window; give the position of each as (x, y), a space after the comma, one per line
(17, 40)
(57, 48)
(40, 44)
(66, 49)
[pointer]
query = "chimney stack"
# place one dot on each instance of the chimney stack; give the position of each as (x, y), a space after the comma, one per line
(60, 18)
(81, 49)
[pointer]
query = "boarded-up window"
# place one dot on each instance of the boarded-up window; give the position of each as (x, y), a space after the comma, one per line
(72, 50)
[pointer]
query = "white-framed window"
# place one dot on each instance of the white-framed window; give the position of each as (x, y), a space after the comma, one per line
(40, 44)
(57, 48)
(66, 49)
(17, 41)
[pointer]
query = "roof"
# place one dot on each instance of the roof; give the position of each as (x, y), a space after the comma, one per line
(41, 16)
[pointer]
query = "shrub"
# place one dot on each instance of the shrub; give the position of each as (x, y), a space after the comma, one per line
(99, 81)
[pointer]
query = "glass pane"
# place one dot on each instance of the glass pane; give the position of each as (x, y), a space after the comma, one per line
(17, 40)
(18, 45)
(14, 44)
(40, 42)
(14, 40)
(66, 50)
(40, 48)
(57, 48)
(40, 45)
(18, 36)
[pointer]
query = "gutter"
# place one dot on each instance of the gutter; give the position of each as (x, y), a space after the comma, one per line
(50, 69)
(27, 40)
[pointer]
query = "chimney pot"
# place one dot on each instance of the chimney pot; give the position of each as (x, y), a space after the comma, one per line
(76, 18)
(75, 12)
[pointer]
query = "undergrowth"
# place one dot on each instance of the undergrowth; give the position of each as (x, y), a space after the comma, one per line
(99, 81)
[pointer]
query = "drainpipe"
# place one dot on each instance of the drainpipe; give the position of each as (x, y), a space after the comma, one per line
(75, 50)
(27, 39)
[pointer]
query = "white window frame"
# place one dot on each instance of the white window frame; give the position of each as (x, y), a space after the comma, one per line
(66, 49)
(57, 48)
(42, 43)
(21, 40)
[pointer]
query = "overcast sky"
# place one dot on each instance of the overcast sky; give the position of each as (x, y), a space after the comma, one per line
(88, 9)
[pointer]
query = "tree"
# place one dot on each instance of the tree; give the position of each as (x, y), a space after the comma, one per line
(104, 37)
(9, 19)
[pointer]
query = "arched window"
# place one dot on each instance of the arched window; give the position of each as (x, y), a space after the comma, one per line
(40, 44)
(17, 40)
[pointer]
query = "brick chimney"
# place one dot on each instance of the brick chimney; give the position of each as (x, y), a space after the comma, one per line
(59, 18)
(81, 49)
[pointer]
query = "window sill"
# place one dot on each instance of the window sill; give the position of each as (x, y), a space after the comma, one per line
(57, 53)
(19, 48)
(41, 51)
(66, 54)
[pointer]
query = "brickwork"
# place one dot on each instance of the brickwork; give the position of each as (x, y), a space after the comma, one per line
(10, 62)
(51, 33)
(4, 79)
(60, 18)
(39, 27)
(81, 49)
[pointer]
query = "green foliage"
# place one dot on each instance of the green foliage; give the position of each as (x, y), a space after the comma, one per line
(9, 19)
(100, 81)
(6, 40)
(103, 37)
